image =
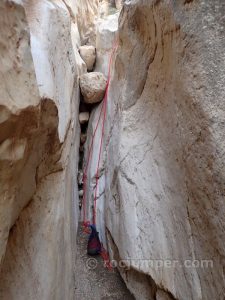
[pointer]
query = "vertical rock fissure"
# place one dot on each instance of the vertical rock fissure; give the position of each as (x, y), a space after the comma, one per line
(99, 281)
(146, 166)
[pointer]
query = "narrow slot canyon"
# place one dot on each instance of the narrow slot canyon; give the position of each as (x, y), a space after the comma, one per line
(112, 150)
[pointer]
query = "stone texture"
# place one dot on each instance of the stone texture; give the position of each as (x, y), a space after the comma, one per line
(93, 87)
(83, 137)
(81, 192)
(91, 173)
(88, 54)
(108, 7)
(105, 39)
(18, 93)
(80, 177)
(103, 8)
(161, 295)
(83, 117)
(119, 4)
(86, 15)
(106, 31)
(39, 143)
(161, 179)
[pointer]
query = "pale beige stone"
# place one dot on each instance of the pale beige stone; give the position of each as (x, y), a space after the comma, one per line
(93, 87)
(81, 192)
(162, 170)
(103, 8)
(84, 117)
(88, 54)
(119, 4)
(80, 177)
(86, 15)
(39, 144)
(106, 38)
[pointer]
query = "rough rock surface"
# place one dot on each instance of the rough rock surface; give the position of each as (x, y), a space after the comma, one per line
(106, 31)
(83, 137)
(39, 141)
(88, 54)
(161, 295)
(105, 39)
(83, 117)
(119, 4)
(103, 8)
(161, 182)
(18, 95)
(93, 87)
(86, 14)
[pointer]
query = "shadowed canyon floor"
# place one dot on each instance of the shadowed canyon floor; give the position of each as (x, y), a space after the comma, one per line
(94, 281)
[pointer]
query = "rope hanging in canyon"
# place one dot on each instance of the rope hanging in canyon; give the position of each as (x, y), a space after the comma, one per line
(90, 150)
(103, 111)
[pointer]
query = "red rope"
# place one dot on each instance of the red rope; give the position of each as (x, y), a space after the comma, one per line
(90, 150)
(86, 223)
(103, 110)
(98, 165)
(102, 135)
(104, 254)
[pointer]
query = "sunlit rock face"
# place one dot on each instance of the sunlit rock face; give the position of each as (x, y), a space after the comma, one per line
(161, 180)
(93, 86)
(88, 54)
(39, 141)
(106, 31)
(19, 92)
(86, 16)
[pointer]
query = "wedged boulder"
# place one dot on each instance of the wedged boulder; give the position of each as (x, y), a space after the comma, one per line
(93, 87)
(81, 192)
(83, 138)
(88, 54)
(83, 117)
(80, 177)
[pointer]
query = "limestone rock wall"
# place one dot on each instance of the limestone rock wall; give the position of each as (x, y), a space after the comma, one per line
(162, 169)
(86, 16)
(106, 31)
(106, 37)
(39, 142)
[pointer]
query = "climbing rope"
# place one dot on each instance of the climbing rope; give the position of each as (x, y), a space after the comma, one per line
(102, 134)
(86, 223)
(90, 150)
